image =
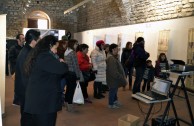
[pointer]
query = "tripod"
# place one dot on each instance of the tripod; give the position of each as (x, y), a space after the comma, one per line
(181, 78)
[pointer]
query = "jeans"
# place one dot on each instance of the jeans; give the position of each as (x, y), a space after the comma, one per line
(63, 83)
(138, 78)
(146, 83)
(129, 73)
(112, 95)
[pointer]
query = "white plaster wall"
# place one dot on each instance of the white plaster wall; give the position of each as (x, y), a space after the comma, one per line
(2, 61)
(177, 42)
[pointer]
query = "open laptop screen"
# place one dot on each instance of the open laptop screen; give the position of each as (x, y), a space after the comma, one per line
(161, 86)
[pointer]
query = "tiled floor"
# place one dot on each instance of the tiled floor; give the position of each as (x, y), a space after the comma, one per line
(97, 113)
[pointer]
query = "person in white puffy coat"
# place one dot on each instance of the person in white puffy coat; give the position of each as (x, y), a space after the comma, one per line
(98, 58)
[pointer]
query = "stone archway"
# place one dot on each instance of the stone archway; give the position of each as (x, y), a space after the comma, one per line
(35, 15)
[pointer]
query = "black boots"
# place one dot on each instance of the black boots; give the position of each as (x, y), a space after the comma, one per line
(98, 90)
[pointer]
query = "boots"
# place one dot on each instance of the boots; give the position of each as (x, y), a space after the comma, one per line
(98, 90)
(70, 108)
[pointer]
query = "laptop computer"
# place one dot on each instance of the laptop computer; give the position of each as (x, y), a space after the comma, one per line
(159, 91)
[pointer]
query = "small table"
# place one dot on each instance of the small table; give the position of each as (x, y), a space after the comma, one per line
(147, 101)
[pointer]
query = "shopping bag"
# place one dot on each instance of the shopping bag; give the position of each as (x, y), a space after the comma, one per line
(78, 96)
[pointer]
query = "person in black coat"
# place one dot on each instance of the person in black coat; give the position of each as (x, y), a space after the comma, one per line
(43, 93)
(21, 80)
(140, 57)
(124, 61)
(14, 52)
(148, 76)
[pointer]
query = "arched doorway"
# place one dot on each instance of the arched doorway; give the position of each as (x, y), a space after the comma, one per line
(39, 19)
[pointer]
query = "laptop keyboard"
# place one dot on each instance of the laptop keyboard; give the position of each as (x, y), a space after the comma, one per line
(145, 96)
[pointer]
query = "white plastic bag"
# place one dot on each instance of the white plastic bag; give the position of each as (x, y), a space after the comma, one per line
(78, 96)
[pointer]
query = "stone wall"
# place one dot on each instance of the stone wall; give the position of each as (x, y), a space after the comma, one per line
(98, 14)
(17, 16)
(109, 13)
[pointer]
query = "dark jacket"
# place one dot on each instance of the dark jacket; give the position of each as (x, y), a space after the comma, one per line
(125, 56)
(115, 75)
(161, 65)
(13, 54)
(43, 93)
(140, 56)
(20, 79)
(149, 73)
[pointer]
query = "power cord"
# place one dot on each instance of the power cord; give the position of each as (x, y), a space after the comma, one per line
(152, 113)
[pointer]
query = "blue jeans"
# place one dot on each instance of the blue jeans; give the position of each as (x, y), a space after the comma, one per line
(129, 73)
(112, 95)
(63, 83)
(138, 78)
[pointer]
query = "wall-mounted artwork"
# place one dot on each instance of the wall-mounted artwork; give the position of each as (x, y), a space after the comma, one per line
(138, 34)
(163, 41)
(119, 44)
(190, 58)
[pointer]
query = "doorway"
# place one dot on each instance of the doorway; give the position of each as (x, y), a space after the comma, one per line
(39, 19)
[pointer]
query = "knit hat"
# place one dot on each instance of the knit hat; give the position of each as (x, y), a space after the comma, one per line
(64, 37)
(100, 42)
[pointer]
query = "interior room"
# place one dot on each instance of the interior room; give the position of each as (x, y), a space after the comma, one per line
(166, 27)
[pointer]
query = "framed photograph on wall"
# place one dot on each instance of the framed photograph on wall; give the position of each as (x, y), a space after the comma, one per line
(138, 34)
(163, 41)
(190, 58)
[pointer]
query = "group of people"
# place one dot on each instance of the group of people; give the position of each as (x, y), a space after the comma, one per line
(135, 56)
(38, 71)
(45, 67)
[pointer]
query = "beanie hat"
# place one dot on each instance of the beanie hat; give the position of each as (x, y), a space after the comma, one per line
(65, 38)
(100, 42)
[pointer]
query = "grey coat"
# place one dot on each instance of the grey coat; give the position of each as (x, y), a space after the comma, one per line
(115, 74)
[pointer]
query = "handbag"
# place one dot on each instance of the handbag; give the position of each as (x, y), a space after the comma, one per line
(81, 77)
(78, 96)
(89, 75)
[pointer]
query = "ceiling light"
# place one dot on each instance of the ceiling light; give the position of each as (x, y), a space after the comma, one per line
(27, 5)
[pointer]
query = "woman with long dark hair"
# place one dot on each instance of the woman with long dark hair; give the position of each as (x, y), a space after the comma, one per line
(61, 52)
(124, 59)
(139, 62)
(162, 64)
(43, 93)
